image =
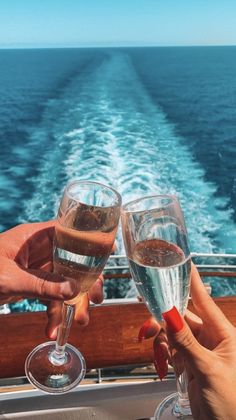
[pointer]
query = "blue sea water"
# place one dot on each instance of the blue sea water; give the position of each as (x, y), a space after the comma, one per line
(144, 120)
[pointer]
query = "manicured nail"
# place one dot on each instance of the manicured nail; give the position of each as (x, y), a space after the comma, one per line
(161, 370)
(173, 320)
(160, 361)
(141, 334)
(148, 329)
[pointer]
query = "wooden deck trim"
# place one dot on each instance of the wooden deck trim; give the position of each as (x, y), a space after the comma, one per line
(110, 339)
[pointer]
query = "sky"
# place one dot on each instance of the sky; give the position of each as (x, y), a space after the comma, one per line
(45, 23)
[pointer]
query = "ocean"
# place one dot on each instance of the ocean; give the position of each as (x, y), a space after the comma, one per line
(143, 120)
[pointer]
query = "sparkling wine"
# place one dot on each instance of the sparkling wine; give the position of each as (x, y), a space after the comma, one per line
(82, 254)
(85, 231)
(162, 275)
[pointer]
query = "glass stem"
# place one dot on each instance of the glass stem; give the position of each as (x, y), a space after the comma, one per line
(182, 407)
(58, 356)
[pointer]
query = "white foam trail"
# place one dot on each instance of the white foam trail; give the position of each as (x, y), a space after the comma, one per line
(106, 127)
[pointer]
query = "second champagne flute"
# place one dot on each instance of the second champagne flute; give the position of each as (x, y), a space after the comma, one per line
(156, 244)
(85, 231)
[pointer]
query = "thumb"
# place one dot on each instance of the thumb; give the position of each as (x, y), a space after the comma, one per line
(183, 340)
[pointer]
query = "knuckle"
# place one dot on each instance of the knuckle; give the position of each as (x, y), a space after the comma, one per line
(186, 339)
(40, 286)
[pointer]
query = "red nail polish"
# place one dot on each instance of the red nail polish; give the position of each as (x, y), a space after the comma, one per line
(160, 362)
(160, 359)
(173, 320)
(161, 369)
(149, 329)
(141, 334)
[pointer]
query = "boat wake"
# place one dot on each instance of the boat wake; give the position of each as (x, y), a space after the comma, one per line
(103, 125)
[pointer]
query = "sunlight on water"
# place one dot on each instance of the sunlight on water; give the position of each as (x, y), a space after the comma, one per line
(104, 126)
(142, 120)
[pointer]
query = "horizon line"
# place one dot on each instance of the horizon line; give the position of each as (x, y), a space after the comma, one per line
(104, 45)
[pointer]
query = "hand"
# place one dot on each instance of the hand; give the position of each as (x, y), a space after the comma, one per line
(207, 341)
(94, 295)
(151, 328)
(26, 262)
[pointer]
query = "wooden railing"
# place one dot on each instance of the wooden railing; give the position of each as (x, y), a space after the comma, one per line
(110, 339)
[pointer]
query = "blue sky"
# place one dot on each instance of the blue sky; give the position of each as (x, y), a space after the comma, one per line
(117, 22)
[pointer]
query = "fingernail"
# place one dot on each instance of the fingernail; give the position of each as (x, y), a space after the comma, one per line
(173, 320)
(160, 362)
(53, 334)
(141, 334)
(161, 370)
(148, 329)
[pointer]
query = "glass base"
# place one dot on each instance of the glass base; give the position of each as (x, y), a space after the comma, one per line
(169, 409)
(51, 375)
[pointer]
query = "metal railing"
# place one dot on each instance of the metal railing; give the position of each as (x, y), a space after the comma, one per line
(209, 265)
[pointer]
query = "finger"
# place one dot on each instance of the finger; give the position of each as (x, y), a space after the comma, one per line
(40, 245)
(96, 292)
(50, 285)
(194, 322)
(206, 307)
(178, 362)
(34, 283)
(149, 329)
(182, 339)
(54, 318)
(81, 310)
(161, 354)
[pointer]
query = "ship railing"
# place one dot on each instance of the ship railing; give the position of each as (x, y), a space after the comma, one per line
(208, 264)
(114, 326)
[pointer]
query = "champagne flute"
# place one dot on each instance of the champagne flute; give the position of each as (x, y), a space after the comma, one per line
(156, 245)
(85, 231)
